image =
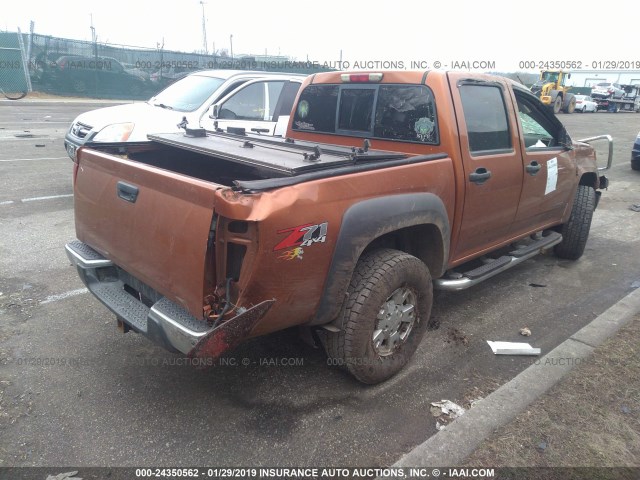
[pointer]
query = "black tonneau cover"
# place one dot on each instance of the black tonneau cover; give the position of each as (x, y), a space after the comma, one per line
(278, 155)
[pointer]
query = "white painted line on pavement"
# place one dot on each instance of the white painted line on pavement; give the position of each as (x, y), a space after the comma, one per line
(62, 296)
(32, 159)
(35, 138)
(29, 122)
(8, 202)
(50, 197)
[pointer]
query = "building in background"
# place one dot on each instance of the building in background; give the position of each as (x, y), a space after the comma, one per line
(588, 78)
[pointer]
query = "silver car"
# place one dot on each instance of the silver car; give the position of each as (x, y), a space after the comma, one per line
(606, 90)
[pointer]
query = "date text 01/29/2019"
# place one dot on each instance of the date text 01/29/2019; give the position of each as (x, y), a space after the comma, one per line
(320, 473)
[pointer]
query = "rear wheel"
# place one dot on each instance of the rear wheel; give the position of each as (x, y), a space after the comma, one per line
(571, 104)
(635, 163)
(576, 231)
(557, 104)
(386, 315)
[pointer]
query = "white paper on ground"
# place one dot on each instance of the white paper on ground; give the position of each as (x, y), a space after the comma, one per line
(513, 348)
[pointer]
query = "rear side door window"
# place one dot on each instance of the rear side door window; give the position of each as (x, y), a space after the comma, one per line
(286, 98)
(274, 89)
(485, 115)
(247, 104)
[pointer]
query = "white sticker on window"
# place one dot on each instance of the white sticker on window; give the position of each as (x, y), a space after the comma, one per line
(552, 175)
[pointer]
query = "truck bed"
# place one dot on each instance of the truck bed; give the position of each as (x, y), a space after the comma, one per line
(251, 162)
(275, 157)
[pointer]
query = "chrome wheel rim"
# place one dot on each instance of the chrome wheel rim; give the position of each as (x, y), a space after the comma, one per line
(394, 322)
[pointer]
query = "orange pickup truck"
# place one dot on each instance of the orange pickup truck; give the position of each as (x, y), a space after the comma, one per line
(387, 185)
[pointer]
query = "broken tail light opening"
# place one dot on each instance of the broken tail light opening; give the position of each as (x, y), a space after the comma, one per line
(361, 77)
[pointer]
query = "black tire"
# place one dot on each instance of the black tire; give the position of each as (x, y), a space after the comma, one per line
(571, 104)
(381, 278)
(576, 231)
(635, 164)
(13, 96)
(557, 104)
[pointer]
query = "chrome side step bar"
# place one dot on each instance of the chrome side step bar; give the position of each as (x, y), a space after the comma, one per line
(516, 256)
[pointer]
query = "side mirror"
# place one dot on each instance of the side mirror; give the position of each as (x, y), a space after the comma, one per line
(215, 111)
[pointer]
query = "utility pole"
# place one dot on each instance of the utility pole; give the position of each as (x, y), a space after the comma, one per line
(93, 30)
(231, 44)
(204, 30)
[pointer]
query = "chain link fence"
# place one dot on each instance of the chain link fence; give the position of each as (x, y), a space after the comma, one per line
(92, 69)
(14, 72)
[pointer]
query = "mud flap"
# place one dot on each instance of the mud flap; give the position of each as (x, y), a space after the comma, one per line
(231, 333)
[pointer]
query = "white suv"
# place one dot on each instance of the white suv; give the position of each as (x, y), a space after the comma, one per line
(606, 90)
(263, 103)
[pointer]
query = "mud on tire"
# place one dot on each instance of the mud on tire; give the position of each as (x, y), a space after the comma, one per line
(389, 290)
(576, 231)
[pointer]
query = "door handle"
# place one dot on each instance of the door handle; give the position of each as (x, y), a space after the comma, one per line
(533, 168)
(480, 176)
(127, 192)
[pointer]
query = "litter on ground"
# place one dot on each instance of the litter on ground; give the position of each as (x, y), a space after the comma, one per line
(446, 411)
(513, 348)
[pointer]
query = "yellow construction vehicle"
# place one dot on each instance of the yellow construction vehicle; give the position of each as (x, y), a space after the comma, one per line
(552, 91)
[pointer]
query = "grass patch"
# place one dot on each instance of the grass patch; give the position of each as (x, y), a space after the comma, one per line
(589, 419)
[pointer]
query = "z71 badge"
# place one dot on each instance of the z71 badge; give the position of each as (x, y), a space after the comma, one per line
(301, 236)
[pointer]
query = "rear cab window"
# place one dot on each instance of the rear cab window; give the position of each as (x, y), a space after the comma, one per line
(404, 112)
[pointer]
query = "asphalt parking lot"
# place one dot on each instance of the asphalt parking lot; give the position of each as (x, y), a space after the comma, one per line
(76, 391)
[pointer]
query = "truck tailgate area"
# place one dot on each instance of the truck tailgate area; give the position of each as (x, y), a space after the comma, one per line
(153, 223)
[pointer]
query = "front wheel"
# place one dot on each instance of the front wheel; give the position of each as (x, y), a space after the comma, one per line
(387, 312)
(576, 231)
(557, 104)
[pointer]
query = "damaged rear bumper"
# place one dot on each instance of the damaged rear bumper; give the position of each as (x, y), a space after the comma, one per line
(158, 318)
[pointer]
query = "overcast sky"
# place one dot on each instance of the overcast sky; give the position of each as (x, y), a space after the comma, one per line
(488, 30)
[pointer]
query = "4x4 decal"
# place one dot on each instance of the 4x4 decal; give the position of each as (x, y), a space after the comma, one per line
(302, 236)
